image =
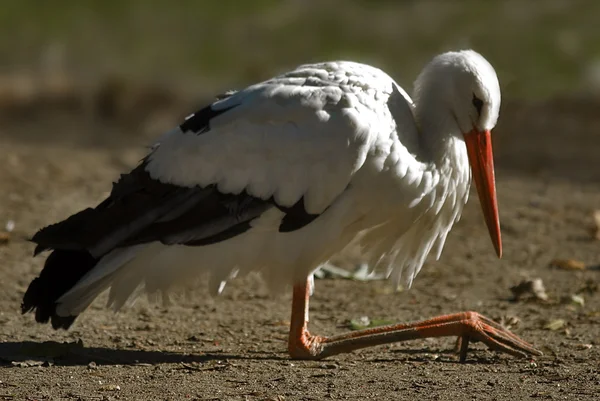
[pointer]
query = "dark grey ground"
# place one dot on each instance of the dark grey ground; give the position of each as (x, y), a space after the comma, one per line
(233, 348)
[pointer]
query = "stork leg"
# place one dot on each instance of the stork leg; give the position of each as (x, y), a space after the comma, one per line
(467, 326)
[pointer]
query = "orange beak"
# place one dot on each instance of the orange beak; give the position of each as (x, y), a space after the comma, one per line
(479, 149)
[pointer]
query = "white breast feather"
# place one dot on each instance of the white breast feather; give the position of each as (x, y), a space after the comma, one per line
(402, 244)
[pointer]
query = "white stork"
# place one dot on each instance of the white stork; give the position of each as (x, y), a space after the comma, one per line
(279, 177)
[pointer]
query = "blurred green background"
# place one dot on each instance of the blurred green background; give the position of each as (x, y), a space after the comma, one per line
(539, 48)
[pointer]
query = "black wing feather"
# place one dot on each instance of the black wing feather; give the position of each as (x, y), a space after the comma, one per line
(199, 122)
(295, 217)
(142, 210)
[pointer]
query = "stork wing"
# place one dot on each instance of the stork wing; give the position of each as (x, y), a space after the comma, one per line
(280, 140)
(292, 143)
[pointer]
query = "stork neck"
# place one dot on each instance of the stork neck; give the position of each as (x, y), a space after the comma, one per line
(442, 147)
(440, 136)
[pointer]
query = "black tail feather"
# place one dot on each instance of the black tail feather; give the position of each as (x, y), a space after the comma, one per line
(62, 270)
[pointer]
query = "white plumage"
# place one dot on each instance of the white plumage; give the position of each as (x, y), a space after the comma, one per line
(344, 138)
(324, 132)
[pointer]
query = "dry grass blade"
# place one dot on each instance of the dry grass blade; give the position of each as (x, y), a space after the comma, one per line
(555, 324)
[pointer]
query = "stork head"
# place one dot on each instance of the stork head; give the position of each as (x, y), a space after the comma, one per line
(465, 85)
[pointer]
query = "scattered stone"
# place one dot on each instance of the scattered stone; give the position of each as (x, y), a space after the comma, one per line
(4, 238)
(364, 322)
(509, 322)
(596, 226)
(27, 363)
(577, 299)
(568, 264)
(110, 387)
(529, 288)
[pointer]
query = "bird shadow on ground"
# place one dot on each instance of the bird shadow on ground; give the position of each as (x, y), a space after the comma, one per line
(479, 356)
(30, 353)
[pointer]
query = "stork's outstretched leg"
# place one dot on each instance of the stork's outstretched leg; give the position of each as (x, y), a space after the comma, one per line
(465, 325)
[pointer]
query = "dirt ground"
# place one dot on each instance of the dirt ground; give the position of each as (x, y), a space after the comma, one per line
(234, 347)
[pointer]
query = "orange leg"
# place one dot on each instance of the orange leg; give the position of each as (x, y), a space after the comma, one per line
(467, 326)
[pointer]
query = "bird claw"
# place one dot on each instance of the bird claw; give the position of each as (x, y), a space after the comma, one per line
(492, 334)
(463, 346)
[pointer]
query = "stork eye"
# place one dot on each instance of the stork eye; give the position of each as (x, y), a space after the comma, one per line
(478, 103)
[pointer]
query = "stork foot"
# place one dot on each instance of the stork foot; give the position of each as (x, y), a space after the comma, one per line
(467, 326)
(479, 328)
